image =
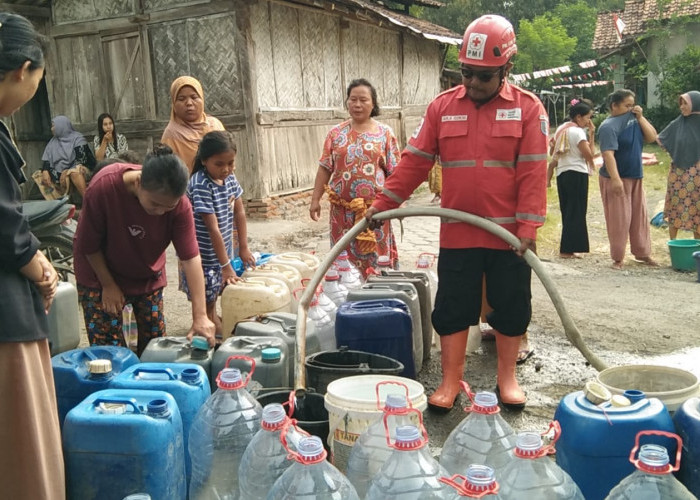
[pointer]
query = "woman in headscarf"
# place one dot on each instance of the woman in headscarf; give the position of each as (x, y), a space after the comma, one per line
(67, 161)
(188, 121)
(681, 138)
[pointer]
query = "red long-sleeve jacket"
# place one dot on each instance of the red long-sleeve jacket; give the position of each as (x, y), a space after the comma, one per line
(494, 164)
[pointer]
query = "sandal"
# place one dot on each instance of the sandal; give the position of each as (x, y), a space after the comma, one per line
(646, 261)
(524, 355)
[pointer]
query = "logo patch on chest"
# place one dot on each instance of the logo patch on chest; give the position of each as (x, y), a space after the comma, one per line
(137, 231)
(511, 114)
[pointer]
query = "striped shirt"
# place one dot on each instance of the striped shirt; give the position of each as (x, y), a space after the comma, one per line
(208, 197)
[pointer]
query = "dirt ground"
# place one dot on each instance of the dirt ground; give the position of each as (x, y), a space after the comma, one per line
(639, 315)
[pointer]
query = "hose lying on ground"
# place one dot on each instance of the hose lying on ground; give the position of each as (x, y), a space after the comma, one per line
(570, 329)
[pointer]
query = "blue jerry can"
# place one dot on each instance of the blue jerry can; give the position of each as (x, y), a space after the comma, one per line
(596, 440)
(123, 441)
(380, 326)
(187, 383)
(687, 420)
(80, 372)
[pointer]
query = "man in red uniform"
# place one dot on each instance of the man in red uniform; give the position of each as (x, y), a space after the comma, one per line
(491, 139)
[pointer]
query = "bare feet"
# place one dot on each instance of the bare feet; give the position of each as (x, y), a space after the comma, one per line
(570, 256)
(617, 265)
(646, 261)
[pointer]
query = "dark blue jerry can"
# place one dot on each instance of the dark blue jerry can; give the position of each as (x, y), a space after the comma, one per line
(687, 420)
(596, 440)
(381, 326)
(123, 441)
(80, 372)
(187, 383)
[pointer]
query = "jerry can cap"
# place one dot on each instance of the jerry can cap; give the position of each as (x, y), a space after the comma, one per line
(97, 366)
(271, 354)
(109, 408)
(619, 401)
(596, 392)
(200, 343)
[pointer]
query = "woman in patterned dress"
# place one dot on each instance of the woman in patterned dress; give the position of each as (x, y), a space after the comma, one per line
(358, 155)
(682, 140)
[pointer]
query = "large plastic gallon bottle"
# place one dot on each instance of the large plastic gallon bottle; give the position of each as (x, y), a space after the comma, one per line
(653, 479)
(478, 482)
(483, 437)
(532, 475)
(187, 383)
(80, 372)
(371, 449)
(323, 326)
(288, 274)
(611, 431)
(305, 263)
(312, 477)
(282, 325)
(350, 276)
(243, 299)
(271, 361)
(333, 288)
(381, 326)
(326, 303)
(410, 473)
(687, 421)
(220, 433)
(265, 459)
(63, 318)
(179, 350)
(426, 265)
(123, 441)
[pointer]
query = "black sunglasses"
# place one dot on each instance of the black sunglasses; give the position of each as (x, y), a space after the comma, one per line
(484, 76)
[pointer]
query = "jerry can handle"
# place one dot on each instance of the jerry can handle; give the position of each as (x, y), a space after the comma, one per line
(463, 488)
(113, 400)
(295, 455)
(421, 427)
(670, 435)
(164, 371)
(391, 382)
(549, 449)
(245, 358)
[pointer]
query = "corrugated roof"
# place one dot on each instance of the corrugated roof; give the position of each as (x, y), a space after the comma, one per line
(425, 28)
(636, 16)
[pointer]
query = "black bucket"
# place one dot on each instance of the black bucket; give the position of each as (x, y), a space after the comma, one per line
(310, 412)
(324, 367)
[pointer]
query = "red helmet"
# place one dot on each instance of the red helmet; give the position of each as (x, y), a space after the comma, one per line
(489, 41)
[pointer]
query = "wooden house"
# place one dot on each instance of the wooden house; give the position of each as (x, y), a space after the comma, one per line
(275, 73)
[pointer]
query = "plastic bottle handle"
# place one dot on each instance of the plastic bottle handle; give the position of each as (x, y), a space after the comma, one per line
(470, 394)
(246, 358)
(671, 468)
(113, 400)
(429, 254)
(549, 448)
(464, 490)
(166, 371)
(392, 382)
(421, 427)
(295, 455)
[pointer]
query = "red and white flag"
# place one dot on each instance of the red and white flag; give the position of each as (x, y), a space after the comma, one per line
(619, 27)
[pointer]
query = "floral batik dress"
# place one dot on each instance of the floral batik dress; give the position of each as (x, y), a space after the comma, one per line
(359, 163)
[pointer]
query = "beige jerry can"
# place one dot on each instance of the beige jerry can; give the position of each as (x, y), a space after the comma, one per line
(290, 275)
(306, 263)
(259, 295)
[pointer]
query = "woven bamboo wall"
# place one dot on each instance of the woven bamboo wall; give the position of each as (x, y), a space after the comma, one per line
(68, 11)
(421, 70)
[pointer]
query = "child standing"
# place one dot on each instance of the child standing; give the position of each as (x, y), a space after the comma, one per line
(219, 217)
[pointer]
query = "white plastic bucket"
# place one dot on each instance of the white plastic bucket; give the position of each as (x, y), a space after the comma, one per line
(352, 407)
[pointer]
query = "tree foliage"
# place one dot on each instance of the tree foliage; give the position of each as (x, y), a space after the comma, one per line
(579, 19)
(543, 43)
(680, 74)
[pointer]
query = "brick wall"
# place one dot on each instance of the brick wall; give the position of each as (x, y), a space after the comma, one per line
(291, 205)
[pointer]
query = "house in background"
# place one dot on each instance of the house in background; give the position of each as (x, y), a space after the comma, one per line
(274, 72)
(639, 18)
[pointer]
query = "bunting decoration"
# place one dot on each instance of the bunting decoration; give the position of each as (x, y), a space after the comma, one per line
(595, 83)
(554, 71)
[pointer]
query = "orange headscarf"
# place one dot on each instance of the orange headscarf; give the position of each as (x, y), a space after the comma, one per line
(183, 137)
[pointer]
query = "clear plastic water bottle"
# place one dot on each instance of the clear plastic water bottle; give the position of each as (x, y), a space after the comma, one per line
(653, 479)
(219, 435)
(371, 449)
(265, 458)
(483, 437)
(333, 288)
(532, 475)
(129, 327)
(478, 482)
(350, 276)
(312, 477)
(325, 303)
(410, 473)
(323, 325)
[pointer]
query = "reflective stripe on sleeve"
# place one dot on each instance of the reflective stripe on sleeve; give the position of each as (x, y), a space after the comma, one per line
(497, 220)
(459, 163)
(497, 163)
(393, 196)
(532, 157)
(531, 217)
(420, 153)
